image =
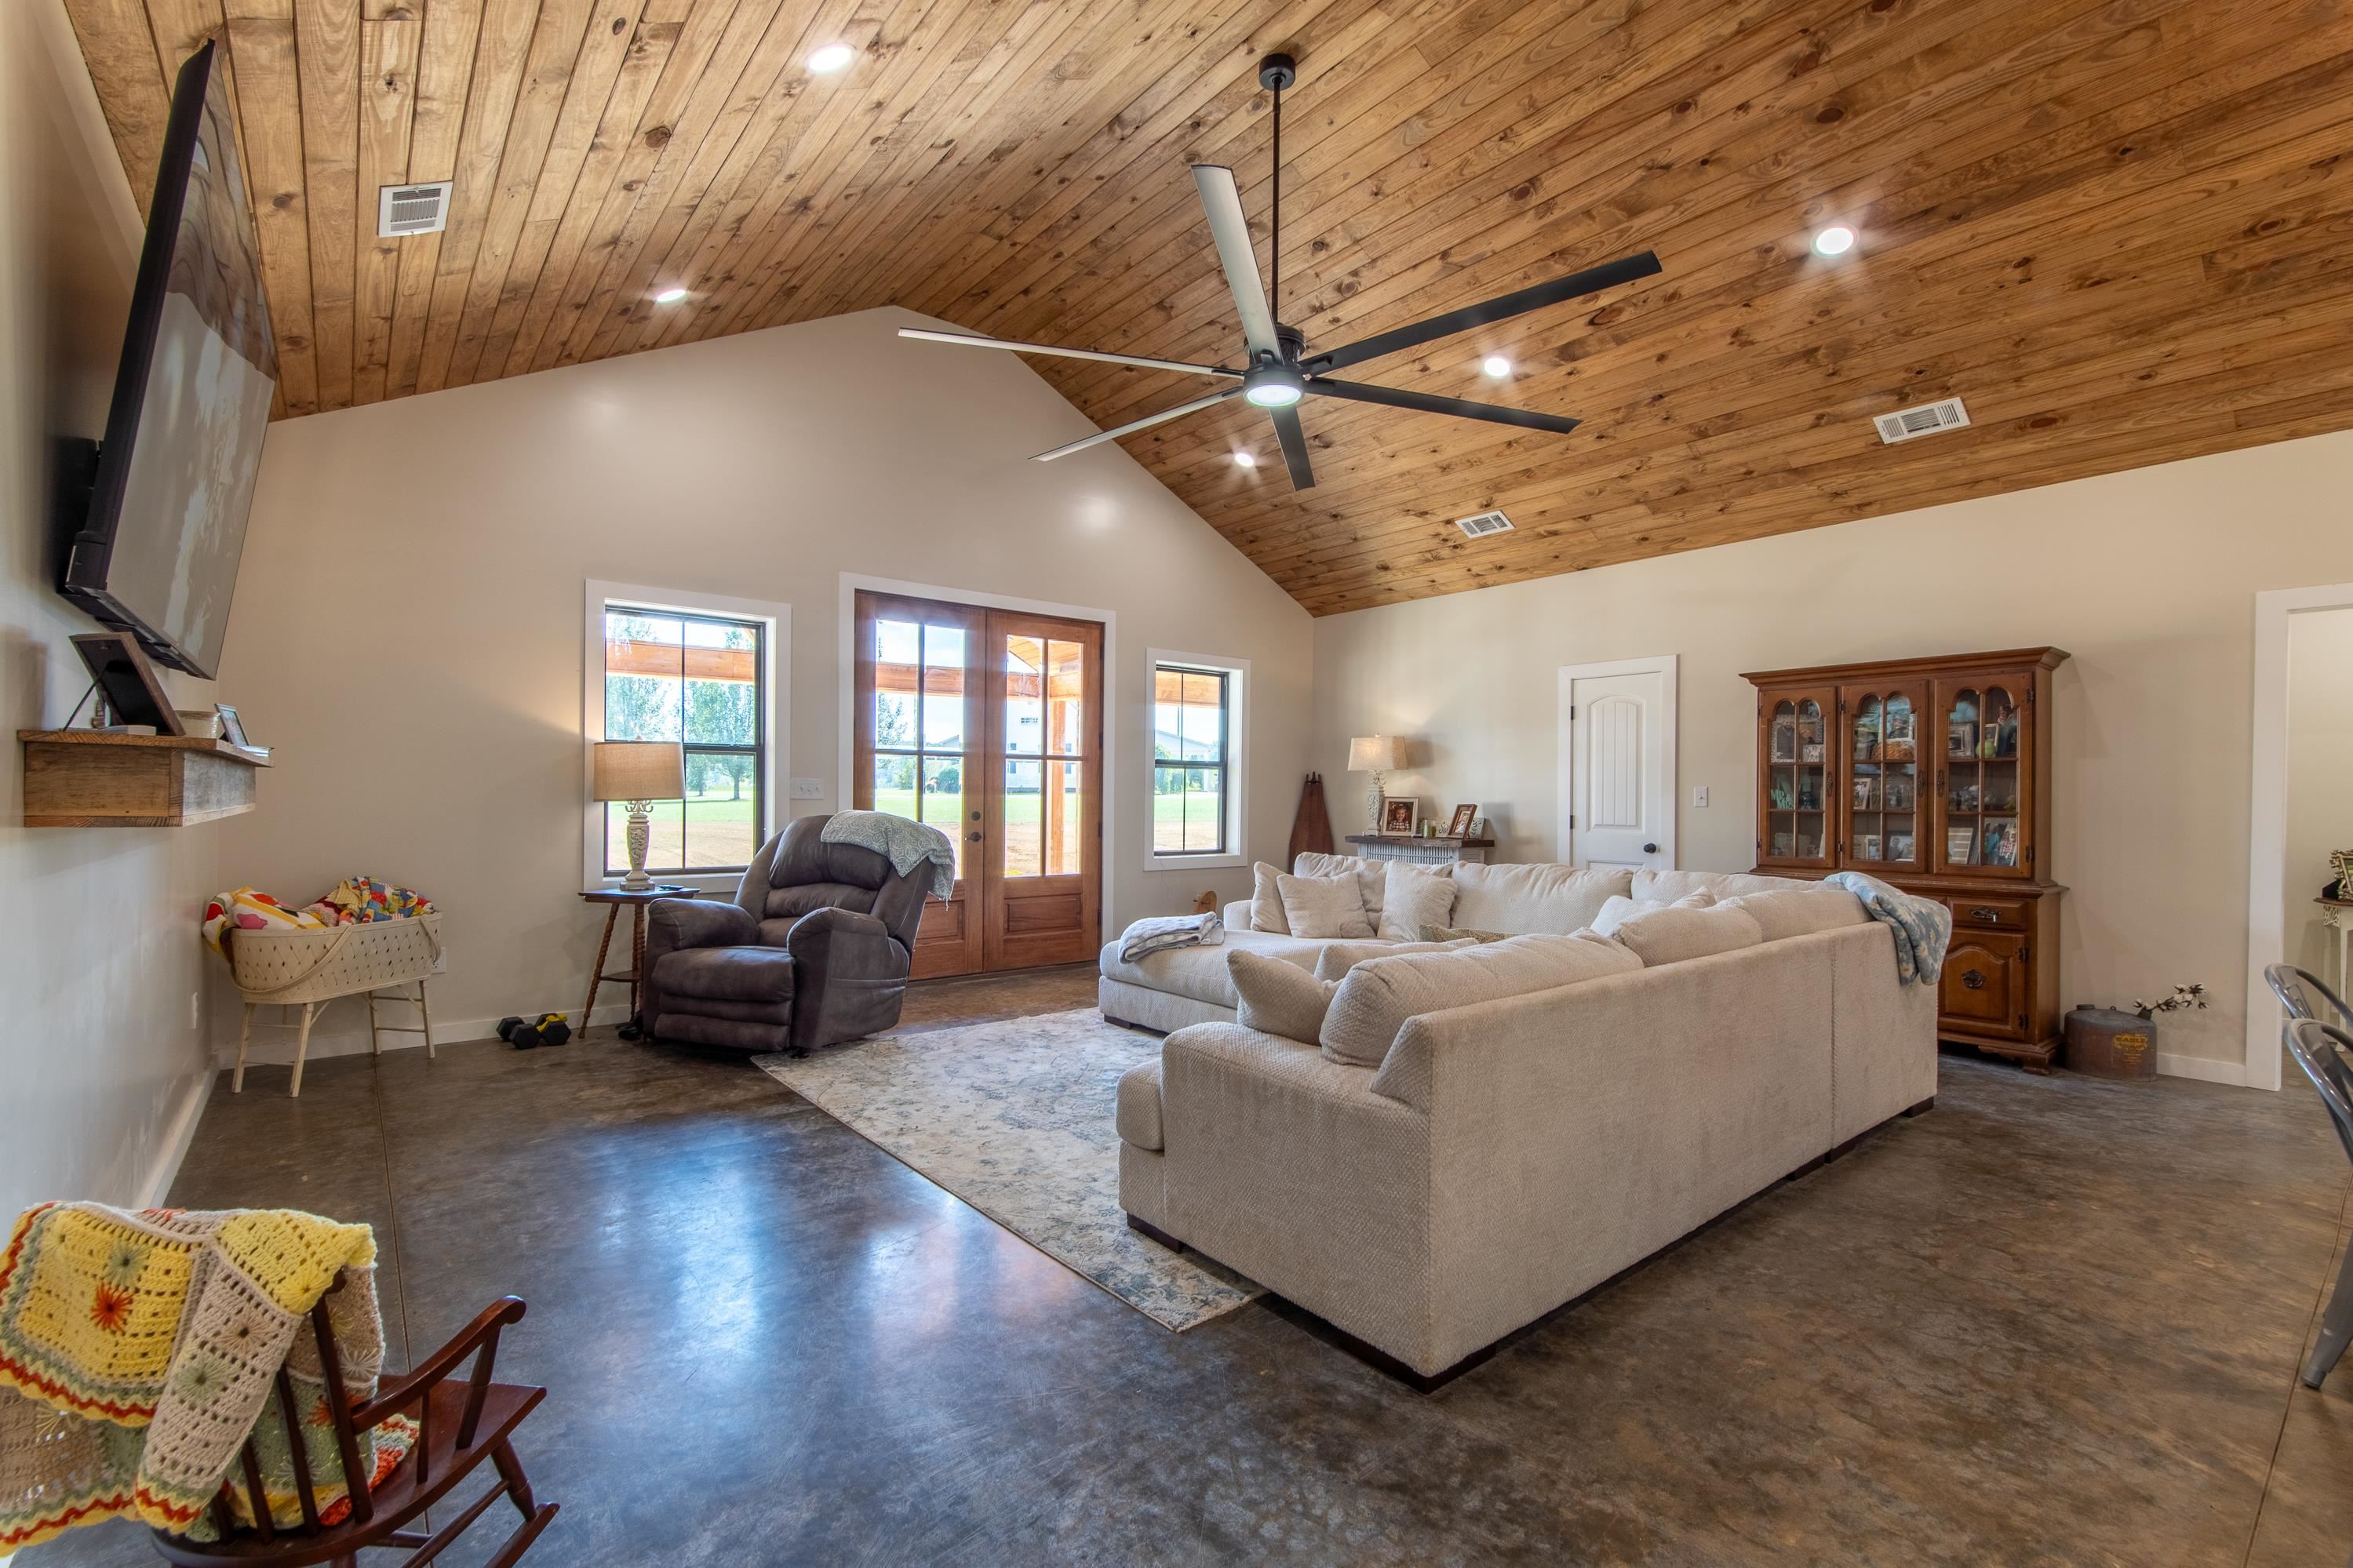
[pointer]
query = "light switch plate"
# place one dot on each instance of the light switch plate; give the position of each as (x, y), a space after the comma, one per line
(809, 789)
(1699, 795)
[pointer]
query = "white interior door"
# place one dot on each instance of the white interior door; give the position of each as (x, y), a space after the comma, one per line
(1617, 764)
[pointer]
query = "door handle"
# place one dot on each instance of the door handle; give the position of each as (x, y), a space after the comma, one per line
(1650, 849)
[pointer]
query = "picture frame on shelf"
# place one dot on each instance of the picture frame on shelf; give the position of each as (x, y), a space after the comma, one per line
(1866, 792)
(1398, 812)
(1898, 791)
(1963, 744)
(1811, 751)
(1960, 846)
(1898, 730)
(2000, 842)
(232, 727)
(1902, 846)
(1785, 740)
(1465, 818)
(1866, 845)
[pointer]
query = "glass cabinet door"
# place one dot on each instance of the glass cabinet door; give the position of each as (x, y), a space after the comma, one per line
(1885, 809)
(1798, 775)
(1984, 736)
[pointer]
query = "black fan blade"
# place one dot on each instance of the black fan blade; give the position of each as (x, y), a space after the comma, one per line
(1294, 448)
(1609, 275)
(1423, 402)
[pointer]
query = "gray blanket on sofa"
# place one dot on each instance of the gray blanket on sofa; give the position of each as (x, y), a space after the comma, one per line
(1923, 927)
(905, 844)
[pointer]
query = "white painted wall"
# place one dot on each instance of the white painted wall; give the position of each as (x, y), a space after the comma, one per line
(2319, 777)
(408, 637)
(2146, 577)
(101, 1073)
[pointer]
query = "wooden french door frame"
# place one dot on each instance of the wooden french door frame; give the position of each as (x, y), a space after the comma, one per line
(1019, 900)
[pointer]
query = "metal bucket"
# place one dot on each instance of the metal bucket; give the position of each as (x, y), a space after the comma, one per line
(2104, 1043)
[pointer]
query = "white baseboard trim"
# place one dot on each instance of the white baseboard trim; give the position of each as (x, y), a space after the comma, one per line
(157, 1185)
(273, 1043)
(2206, 1070)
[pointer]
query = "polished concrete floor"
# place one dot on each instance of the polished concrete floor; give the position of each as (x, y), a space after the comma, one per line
(2053, 1321)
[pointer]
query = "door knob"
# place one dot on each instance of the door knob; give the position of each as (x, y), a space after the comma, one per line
(1650, 849)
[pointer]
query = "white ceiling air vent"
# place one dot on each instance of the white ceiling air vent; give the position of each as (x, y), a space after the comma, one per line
(1909, 423)
(412, 209)
(1479, 524)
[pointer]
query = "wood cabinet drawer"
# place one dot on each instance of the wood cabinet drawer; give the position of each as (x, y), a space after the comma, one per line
(1971, 913)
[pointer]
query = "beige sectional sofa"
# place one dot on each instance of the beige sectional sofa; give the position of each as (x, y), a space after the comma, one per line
(1507, 1155)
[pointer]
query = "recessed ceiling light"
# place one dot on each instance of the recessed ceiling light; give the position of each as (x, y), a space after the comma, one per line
(1496, 366)
(831, 58)
(669, 296)
(1835, 240)
(1244, 460)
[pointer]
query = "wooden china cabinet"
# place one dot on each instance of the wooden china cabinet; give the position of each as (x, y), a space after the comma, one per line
(1933, 774)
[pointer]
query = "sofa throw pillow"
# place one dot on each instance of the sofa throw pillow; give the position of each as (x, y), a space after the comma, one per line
(1460, 933)
(1533, 898)
(1278, 998)
(1617, 910)
(1413, 897)
(1266, 901)
(1800, 911)
(1372, 876)
(1677, 931)
(1339, 957)
(1374, 1002)
(1324, 906)
(1161, 932)
(1665, 887)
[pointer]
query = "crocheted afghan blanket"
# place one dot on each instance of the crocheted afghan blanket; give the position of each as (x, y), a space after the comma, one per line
(138, 1352)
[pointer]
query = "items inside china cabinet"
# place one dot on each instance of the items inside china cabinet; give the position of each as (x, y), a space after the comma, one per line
(1935, 775)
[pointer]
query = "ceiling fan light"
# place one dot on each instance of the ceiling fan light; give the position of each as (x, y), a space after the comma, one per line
(1835, 240)
(831, 58)
(1272, 386)
(1245, 460)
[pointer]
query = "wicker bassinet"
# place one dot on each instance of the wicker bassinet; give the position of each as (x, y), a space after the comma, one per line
(284, 965)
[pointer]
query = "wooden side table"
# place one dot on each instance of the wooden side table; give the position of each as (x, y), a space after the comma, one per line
(613, 899)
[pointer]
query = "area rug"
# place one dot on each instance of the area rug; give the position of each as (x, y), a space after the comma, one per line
(1015, 1117)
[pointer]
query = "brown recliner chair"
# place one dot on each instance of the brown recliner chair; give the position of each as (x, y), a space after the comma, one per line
(815, 949)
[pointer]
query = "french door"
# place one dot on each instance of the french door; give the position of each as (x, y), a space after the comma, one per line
(988, 724)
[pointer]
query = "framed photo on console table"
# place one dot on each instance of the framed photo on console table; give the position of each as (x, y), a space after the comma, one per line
(1398, 812)
(1465, 818)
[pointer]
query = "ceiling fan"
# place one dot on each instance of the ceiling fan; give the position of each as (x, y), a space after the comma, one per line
(1280, 371)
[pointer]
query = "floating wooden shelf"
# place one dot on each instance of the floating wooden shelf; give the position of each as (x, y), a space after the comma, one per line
(87, 778)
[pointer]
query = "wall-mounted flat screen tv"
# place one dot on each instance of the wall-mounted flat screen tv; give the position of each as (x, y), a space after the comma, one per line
(156, 553)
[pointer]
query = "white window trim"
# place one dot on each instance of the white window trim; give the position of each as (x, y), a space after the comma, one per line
(1236, 760)
(776, 675)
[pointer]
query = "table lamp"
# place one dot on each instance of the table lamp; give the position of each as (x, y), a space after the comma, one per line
(640, 772)
(1376, 755)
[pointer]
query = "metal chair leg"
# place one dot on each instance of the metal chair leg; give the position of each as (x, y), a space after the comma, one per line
(2335, 1326)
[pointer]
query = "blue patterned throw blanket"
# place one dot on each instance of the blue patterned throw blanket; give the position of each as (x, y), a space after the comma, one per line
(905, 844)
(1161, 932)
(1923, 927)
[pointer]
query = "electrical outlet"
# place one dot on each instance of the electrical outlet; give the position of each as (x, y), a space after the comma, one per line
(442, 962)
(1699, 795)
(809, 789)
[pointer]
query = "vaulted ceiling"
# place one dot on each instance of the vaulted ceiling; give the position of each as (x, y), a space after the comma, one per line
(2120, 229)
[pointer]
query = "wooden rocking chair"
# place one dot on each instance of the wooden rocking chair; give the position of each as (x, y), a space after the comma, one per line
(460, 1423)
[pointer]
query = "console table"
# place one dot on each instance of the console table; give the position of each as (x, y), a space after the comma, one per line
(2336, 915)
(1411, 847)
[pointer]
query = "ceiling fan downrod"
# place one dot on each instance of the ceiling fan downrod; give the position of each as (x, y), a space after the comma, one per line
(1276, 73)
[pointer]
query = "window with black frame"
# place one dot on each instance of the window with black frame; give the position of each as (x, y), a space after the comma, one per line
(1191, 750)
(696, 679)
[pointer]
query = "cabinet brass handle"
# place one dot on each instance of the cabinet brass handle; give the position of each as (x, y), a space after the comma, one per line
(1983, 913)
(1974, 979)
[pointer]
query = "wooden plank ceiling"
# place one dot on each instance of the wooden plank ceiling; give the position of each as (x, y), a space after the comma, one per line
(2121, 229)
